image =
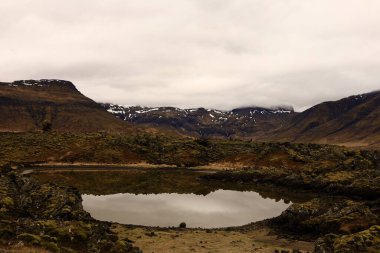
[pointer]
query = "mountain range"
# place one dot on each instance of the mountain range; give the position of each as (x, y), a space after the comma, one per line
(243, 122)
(57, 105)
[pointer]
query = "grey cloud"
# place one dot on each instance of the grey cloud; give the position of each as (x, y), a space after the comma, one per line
(192, 53)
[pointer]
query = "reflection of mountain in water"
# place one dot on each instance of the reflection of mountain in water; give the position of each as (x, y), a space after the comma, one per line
(162, 181)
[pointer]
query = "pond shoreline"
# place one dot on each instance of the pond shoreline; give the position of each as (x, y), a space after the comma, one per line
(292, 224)
(144, 237)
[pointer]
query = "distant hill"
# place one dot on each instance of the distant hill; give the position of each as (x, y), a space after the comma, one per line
(250, 122)
(34, 105)
(352, 121)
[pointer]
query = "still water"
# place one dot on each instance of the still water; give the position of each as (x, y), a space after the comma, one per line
(221, 208)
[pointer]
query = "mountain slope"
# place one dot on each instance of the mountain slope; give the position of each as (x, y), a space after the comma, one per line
(43, 105)
(353, 121)
(31, 105)
(250, 122)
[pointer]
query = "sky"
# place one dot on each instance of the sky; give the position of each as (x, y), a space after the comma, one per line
(218, 54)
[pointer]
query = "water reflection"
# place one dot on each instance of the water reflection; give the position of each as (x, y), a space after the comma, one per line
(221, 208)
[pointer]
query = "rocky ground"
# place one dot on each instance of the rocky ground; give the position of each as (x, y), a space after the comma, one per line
(340, 224)
(46, 217)
(50, 217)
(327, 223)
(344, 216)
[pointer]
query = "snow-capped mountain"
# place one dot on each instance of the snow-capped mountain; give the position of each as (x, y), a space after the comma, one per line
(353, 121)
(33, 105)
(201, 121)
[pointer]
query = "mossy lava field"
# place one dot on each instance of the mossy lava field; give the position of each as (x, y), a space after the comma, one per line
(333, 192)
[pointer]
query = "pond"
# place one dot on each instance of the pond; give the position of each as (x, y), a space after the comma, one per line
(167, 197)
(221, 208)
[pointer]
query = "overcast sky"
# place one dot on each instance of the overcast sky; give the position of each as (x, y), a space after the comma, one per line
(191, 53)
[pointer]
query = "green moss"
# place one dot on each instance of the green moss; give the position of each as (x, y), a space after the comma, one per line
(50, 246)
(364, 241)
(44, 241)
(82, 232)
(66, 209)
(48, 238)
(71, 200)
(7, 202)
(30, 239)
(76, 231)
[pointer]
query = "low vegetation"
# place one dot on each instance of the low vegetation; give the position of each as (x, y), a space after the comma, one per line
(51, 217)
(343, 216)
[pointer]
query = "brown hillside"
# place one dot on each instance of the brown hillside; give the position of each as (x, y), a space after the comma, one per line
(54, 104)
(37, 105)
(351, 121)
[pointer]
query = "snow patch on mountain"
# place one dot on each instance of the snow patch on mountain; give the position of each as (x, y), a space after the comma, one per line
(133, 113)
(41, 83)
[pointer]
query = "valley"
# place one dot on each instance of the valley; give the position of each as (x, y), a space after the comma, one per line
(193, 126)
(78, 176)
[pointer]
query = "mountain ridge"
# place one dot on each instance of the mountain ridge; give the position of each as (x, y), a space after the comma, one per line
(50, 104)
(204, 122)
(351, 121)
(31, 105)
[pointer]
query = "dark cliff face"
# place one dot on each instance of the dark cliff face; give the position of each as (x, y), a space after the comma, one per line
(41, 105)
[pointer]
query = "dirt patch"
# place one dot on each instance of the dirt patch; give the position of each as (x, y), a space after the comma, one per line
(216, 241)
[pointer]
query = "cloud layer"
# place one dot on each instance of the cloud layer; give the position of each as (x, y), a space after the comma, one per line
(191, 53)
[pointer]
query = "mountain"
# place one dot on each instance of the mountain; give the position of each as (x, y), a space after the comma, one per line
(351, 121)
(43, 105)
(250, 122)
(34, 105)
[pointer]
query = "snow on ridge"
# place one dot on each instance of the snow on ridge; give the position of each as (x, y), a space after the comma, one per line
(145, 110)
(116, 109)
(270, 111)
(358, 97)
(38, 83)
(132, 112)
(281, 111)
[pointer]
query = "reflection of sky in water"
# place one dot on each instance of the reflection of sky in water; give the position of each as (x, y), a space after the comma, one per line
(218, 209)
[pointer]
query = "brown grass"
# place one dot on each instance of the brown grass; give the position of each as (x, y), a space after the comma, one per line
(203, 241)
(24, 249)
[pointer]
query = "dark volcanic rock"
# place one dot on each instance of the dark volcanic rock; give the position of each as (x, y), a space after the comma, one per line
(364, 241)
(327, 215)
(51, 217)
